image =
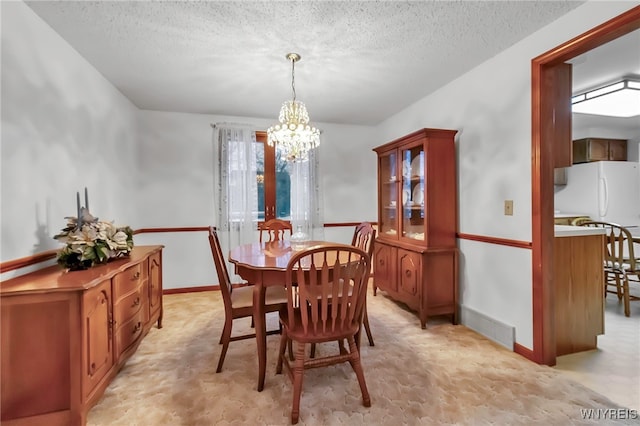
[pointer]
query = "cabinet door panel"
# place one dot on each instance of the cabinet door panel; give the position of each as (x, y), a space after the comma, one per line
(97, 337)
(155, 283)
(383, 270)
(410, 278)
(618, 150)
(598, 149)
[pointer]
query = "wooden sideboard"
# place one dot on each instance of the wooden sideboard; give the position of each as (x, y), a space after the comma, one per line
(65, 335)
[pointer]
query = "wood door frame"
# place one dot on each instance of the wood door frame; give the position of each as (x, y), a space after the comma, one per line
(544, 342)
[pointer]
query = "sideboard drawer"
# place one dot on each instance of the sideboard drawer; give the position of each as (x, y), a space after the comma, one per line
(128, 306)
(128, 280)
(128, 333)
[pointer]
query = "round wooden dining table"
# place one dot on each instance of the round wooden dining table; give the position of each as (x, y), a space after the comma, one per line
(263, 265)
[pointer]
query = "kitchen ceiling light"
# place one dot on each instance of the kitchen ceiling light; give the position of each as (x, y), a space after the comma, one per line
(620, 99)
(293, 135)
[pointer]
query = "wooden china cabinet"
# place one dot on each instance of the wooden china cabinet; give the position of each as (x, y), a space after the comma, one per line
(416, 257)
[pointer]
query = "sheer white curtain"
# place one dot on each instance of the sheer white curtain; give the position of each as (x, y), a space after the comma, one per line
(235, 186)
(307, 214)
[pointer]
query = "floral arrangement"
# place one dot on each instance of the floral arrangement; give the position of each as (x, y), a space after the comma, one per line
(89, 241)
(92, 243)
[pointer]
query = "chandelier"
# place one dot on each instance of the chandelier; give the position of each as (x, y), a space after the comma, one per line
(293, 136)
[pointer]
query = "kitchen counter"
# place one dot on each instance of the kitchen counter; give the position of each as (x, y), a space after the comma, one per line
(576, 231)
(578, 275)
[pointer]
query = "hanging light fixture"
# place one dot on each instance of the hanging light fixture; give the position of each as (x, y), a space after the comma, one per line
(293, 136)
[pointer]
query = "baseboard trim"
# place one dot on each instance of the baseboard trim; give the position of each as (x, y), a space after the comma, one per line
(499, 332)
(525, 352)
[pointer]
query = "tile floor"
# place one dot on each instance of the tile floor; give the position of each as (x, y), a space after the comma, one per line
(613, 369)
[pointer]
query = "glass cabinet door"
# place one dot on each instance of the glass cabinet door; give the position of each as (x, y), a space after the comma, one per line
(413, 195)
(388, 194)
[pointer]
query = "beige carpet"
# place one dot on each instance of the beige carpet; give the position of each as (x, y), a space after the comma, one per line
(443, 375)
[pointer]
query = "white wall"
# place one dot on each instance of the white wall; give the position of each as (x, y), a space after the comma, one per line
(491, 108)
(64, 127)
(176, 185)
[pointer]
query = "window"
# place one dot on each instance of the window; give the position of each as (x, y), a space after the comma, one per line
(254, 183)
(274, 181)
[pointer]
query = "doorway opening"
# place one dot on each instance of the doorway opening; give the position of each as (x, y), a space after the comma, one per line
(543, 90)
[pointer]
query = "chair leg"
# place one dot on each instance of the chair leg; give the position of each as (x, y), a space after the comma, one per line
(625, 290)
(341, 347)
(224, 339)
(313, 350)
(366, 327)
(618, 286)
(227, 324)
(298, 373)
(357, 368)
(290, 346)
(284, 339)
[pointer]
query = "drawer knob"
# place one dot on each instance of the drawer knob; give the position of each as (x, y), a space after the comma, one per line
(136, 276)
(137, 301)
(137, 327)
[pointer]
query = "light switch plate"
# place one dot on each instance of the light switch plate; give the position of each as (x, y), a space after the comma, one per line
(508, 207)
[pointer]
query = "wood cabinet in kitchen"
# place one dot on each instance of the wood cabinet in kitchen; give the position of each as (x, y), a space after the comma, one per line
(578, 276)
(415, 256)
(64, 335)
(599, 149)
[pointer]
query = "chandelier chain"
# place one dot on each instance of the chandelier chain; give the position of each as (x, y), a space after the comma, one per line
(293, 77)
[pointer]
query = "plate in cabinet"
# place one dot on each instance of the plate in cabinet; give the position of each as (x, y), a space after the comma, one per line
(416, 165)
(406, 196)
(418, 195)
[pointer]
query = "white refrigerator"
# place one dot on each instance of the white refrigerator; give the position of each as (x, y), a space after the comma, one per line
(607, 191)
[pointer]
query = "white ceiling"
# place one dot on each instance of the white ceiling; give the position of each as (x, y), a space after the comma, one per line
(361, 61)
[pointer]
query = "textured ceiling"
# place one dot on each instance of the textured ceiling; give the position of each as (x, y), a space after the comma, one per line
(361, 61)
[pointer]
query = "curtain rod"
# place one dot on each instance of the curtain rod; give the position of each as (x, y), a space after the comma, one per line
(215, 125)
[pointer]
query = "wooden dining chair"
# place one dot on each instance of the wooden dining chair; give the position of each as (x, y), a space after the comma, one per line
(238, 302)
(621, 264)
(364, 236)
(326, 311)
(274, 230)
